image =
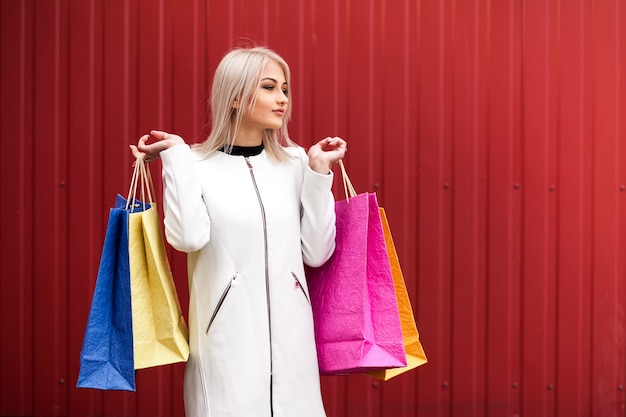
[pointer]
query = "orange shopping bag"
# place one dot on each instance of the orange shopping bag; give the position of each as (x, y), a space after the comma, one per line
(415, 355)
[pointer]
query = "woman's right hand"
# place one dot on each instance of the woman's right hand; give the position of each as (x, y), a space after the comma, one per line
(151, 151)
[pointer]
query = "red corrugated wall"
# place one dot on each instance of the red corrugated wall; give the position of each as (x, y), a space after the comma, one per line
(492, 131)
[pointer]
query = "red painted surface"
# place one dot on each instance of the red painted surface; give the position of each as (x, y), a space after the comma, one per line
(491, 130)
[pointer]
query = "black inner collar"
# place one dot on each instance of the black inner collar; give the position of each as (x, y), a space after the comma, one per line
(243, 150)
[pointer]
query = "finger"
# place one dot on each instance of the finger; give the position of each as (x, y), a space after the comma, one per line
(333, 144)
(141, 144)
(135, 151)
(338, 141)
(327, 144)
(158, 134)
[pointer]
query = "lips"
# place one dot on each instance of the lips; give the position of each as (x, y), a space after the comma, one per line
(280, 112)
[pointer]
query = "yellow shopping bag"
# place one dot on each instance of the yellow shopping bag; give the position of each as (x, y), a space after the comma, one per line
(160, 335)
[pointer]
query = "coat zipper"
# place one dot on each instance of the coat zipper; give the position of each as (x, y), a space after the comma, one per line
(231, 283)
(267, 280)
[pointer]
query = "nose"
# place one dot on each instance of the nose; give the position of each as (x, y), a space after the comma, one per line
(282, 97)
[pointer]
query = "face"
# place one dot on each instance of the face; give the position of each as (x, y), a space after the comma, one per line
(271, 101)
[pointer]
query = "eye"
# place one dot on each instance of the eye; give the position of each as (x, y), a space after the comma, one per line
(285, 91)
(268, 87)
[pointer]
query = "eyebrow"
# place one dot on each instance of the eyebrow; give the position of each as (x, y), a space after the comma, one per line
(272, 79)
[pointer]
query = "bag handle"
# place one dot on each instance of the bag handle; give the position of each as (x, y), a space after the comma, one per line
(141, 178)
(347, 184)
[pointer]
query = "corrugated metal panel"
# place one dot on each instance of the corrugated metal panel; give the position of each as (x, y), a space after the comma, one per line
(607, 211)
(16, 228)
(574, 208)
(491, 131)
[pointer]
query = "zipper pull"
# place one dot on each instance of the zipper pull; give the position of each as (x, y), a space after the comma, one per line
(296, 281)
(233, 281)
(248, 162)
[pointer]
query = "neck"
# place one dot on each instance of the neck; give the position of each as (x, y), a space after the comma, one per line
(248, 143)
(248, 137)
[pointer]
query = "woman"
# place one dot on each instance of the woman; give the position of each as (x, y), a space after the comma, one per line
(249, 207)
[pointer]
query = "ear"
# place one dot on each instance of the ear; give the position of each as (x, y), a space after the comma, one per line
(235, 104)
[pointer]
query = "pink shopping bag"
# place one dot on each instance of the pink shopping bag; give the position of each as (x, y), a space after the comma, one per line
(355, 310)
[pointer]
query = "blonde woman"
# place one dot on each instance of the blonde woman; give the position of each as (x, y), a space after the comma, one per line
(249, 207)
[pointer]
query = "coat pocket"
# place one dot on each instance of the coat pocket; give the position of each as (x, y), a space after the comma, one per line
(297, 284)
(232, 283)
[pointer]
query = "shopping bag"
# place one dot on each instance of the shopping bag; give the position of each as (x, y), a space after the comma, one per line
(357, 325)
(415, 355)
(160, 334)
(135, 320)
(106, 358)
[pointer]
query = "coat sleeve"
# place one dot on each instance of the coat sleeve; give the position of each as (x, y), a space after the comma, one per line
(186, 219)
(317, 222)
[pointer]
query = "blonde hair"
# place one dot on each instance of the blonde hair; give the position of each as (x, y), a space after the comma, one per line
(237, 77)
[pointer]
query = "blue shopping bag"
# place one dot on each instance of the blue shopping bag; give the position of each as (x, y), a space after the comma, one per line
(106, 359)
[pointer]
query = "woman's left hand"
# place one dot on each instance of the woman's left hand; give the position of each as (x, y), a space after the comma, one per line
(325, 153)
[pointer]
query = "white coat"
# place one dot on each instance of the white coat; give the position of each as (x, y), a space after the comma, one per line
(248, 224)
